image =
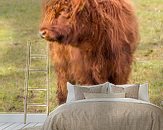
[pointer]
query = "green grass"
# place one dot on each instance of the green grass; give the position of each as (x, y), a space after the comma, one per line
(19, 23)
(148, 65)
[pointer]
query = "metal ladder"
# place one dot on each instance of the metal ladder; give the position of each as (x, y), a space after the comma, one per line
(27, 75)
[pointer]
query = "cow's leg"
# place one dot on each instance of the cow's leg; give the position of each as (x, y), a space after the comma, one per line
(61, 72)
(121, 72)
(61, 90)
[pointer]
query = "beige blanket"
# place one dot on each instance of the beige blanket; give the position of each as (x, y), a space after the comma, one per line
(106, 114)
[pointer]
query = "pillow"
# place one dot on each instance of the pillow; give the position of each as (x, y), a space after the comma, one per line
(76, 92)
(143, 92)
(131, 90)
(103, 95)
(70, 94)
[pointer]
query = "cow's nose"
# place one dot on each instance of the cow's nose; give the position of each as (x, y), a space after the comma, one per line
(43, 33)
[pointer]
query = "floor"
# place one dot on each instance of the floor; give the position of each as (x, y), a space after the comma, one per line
(15, 121)
(17, 126)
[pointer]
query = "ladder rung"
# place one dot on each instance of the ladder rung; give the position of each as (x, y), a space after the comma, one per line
(38, 70)
(37, 105)
(38, 56)
(37, 89)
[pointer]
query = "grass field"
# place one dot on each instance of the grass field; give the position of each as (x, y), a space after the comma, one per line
(19, 23)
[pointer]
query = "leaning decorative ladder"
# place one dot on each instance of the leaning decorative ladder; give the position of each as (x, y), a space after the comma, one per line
(27, 77)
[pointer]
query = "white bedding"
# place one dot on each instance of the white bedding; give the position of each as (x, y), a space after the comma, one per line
(105, 114)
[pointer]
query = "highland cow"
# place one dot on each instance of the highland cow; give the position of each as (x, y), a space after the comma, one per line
(91, 41)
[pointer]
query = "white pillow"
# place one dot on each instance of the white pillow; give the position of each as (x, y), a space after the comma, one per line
(103, 95)
(76, 92)
(71, 93)
(143, 92)
(131, 90)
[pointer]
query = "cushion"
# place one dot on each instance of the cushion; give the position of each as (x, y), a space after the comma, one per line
(143, 92)
(76, 92)
(103, 95)
(131, 90)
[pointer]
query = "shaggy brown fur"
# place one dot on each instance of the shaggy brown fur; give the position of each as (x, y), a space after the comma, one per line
(91, 41)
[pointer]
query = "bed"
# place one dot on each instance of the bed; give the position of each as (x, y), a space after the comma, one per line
(105, 114)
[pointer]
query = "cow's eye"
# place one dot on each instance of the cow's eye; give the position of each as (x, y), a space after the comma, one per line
(66, 10)
(57, 14)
